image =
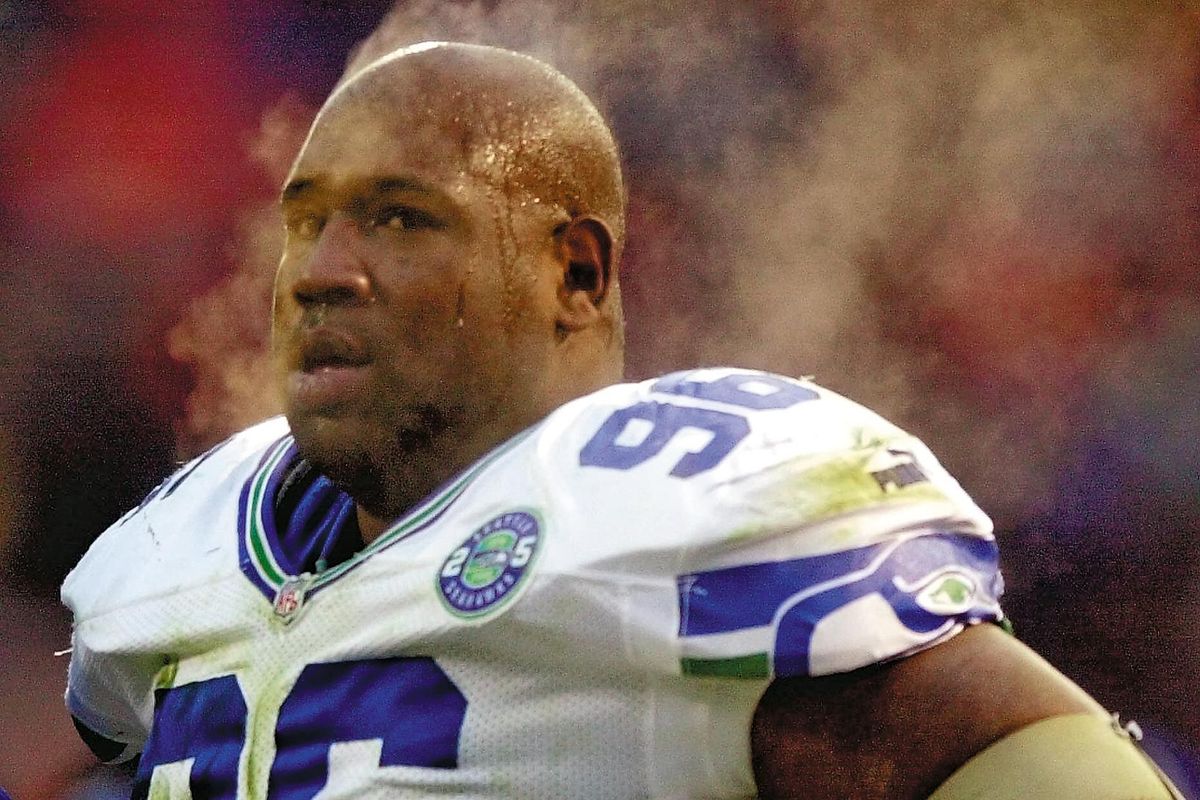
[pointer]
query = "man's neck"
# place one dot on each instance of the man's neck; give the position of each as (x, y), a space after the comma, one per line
(370, 526)
(417, 474)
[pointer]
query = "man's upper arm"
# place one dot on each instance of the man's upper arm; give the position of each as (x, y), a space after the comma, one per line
(899, 730)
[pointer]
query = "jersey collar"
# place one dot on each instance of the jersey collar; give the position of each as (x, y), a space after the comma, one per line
(260, 554)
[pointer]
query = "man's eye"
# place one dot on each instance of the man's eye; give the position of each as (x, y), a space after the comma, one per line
(307, 226)
(403, 218)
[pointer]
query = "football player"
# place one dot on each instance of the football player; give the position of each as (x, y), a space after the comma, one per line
(469, 562)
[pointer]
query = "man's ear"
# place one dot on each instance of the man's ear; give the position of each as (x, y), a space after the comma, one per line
(585, 252)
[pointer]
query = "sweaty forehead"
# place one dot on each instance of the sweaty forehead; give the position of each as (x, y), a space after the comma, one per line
(363, 130)
(511, 121)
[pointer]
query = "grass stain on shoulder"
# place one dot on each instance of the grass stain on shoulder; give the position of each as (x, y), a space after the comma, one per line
(817, 493)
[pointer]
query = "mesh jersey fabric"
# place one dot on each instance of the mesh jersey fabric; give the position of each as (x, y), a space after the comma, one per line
(591, 610)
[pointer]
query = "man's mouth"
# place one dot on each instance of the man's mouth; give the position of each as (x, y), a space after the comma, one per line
(329, 370)
(325, 350)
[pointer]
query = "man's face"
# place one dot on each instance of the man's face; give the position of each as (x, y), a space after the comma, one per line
(408, 302)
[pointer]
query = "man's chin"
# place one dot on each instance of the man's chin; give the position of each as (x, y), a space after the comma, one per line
(321, 429)
(332, 429)
(329, 436)
(386, 459)
(340, 447)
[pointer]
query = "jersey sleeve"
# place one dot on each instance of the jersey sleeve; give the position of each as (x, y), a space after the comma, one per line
(801, 533)
(836, 612)
(837, 541)
(171, 543)
(106, 693)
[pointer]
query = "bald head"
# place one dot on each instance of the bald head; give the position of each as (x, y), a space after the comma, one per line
(516, 121)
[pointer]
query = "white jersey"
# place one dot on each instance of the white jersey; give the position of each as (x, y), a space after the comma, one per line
(592, 610)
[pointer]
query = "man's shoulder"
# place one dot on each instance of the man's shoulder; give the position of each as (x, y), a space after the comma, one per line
(729, 499)
(217, 474)
(726, 453)
(707, 426)
(723, 402)
(183, 525)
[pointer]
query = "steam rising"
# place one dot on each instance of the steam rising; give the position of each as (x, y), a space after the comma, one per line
(225, 334)
(957, 216)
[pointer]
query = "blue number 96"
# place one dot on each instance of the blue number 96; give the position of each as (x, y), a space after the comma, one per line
(755, 391)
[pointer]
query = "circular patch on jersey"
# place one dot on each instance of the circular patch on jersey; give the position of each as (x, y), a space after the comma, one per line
(487, 569)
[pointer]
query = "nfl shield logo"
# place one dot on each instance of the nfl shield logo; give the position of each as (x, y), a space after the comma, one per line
(289, 599)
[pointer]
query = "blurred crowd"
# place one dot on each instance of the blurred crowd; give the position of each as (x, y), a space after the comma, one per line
(980, 221)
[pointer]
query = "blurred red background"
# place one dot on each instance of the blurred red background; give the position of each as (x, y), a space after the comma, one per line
(982, 224)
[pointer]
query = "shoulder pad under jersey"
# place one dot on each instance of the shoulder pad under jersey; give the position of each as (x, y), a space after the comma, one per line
(172, 534)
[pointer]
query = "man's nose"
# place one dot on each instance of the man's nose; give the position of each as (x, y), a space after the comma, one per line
(335, 271)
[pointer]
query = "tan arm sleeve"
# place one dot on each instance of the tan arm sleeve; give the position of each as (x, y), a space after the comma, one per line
(1066, 757)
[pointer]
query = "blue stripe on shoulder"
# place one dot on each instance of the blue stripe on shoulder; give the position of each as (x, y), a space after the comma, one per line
(926, 580)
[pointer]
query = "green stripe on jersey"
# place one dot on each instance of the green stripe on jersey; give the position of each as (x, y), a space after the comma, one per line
(431, 509)
(264, 559)
(754, 665)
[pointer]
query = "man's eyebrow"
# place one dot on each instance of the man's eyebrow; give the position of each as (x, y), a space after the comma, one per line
(398, 183)
(296, 188)
(388, 183)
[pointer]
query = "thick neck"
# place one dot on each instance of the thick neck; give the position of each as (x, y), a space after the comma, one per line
(415, 475)
(370, 527)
